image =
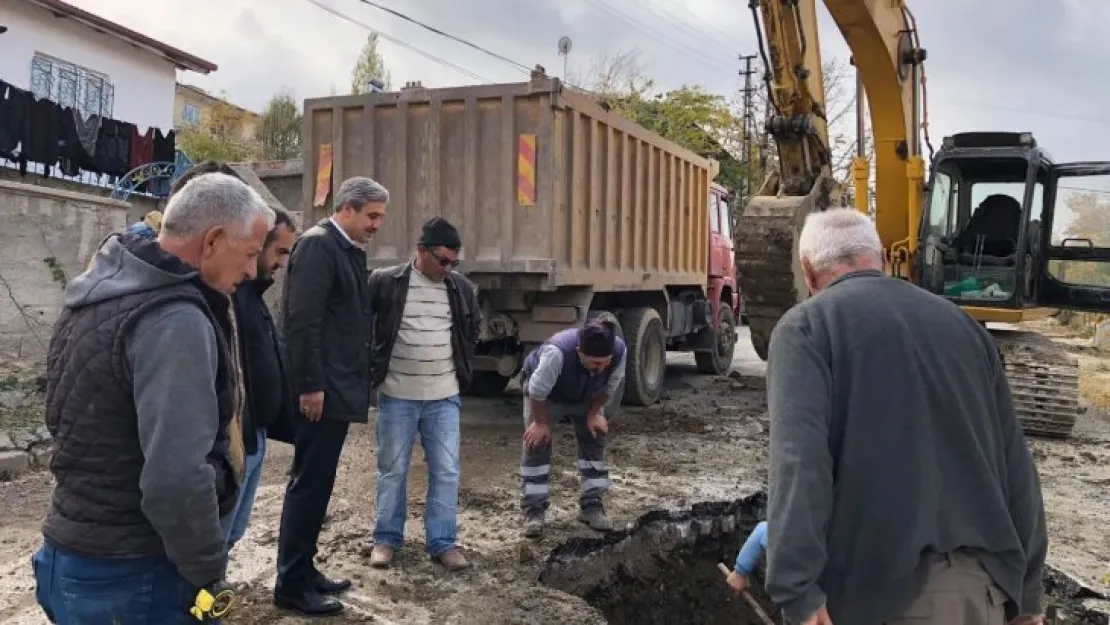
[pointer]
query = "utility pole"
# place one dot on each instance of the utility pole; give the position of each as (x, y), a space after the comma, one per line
(749, 125)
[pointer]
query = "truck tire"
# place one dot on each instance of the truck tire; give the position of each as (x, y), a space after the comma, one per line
(645, 357)
(487, 384)
(614, 404)
(719, 360)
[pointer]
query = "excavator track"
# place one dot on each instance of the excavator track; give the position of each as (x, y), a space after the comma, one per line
(1043, 375)
(1044, 382)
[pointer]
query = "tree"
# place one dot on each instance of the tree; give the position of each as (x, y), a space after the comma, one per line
(219, 136)
(370, 65)
(690, 116)
(279, 131)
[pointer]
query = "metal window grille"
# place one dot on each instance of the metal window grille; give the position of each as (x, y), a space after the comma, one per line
(86, 91)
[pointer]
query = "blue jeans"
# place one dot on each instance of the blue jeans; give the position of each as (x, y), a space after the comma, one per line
(235, 524)
(79, 590)
(437, 423)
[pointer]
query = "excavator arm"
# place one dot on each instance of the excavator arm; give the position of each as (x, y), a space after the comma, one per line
(883, 39)
(882, 36)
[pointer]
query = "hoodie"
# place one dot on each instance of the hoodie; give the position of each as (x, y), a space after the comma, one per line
(172, 354)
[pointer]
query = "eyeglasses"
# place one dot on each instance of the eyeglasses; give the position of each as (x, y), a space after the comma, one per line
(444, 262)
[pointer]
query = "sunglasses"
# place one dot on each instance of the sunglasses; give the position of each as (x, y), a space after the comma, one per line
(444, 262)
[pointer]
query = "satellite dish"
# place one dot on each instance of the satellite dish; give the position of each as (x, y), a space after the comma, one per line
(564, 45)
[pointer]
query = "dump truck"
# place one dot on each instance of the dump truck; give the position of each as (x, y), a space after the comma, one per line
(568, 211)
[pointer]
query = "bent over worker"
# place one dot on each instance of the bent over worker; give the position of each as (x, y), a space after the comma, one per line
(900, 487)
(572, 375)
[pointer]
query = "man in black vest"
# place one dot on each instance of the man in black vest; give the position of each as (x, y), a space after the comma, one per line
(143, 398)
(327, 327)
(572, 375)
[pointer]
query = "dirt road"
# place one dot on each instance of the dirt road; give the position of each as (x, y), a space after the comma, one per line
(705, 441)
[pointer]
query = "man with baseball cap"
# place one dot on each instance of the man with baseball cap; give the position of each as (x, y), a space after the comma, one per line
(572, 375)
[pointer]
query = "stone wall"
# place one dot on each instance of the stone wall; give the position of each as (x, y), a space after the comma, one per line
(48, 237)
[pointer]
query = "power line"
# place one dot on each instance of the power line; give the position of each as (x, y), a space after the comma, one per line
(398, 42)
(437, 31)
(671, 42)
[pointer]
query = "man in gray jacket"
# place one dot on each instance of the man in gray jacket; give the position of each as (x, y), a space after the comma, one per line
(901, 489)
(143, 394)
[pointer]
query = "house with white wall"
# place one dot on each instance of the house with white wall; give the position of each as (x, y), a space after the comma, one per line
(78, 59)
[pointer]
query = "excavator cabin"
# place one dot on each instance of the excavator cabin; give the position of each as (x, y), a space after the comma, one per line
(1010, 235)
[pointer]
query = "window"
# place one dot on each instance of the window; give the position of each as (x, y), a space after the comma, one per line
(714, 216)
(86, 91)
(726, 220)
(190, 114)
(940, 205)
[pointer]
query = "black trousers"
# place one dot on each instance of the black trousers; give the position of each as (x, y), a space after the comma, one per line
(315, 461)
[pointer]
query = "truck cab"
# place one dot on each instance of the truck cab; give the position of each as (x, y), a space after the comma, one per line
(722, 250)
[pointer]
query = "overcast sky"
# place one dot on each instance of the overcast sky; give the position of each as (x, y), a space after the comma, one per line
(1032, 65)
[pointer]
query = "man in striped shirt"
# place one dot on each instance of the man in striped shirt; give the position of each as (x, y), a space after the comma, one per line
(426, 321)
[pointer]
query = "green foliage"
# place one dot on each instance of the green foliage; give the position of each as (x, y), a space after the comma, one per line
(279, 132)
(699, 121)
(370, 65)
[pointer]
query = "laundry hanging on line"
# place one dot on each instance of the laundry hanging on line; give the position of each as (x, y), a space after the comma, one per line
(39, 130)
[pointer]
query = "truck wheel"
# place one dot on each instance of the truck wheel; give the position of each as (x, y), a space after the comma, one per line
(719, 361)
(614, 404)
(646, 356)
(487, 384)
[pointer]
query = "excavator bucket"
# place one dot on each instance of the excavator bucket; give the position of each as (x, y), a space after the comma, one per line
(767, 253)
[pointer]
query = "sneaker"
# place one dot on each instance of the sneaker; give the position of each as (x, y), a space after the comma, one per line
(533, 525)
(596, 519)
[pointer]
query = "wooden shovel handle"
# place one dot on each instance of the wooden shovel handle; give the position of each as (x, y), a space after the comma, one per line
(758, 609)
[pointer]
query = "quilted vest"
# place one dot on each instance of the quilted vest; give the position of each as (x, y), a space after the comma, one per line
(96, 508)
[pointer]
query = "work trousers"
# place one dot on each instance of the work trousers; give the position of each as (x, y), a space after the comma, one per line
(79, 590)
(535, 464)
(958, 591)
(315, 461)
(236, 523)
(436, 422)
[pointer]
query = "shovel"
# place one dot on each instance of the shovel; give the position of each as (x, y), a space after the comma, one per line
(758, 609)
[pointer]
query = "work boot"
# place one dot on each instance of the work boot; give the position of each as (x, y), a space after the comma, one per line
(596, 519)
(533, 524)
(381, 556)
(453, 560)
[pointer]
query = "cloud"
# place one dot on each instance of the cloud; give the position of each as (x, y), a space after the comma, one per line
(993, 64)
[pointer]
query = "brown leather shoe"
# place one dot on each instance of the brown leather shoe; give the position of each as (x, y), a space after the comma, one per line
(453, 560)
(381, 556)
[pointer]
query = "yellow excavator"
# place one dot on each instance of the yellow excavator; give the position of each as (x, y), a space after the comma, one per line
(989, 231)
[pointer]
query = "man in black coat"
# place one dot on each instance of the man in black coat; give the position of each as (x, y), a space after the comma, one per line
(270, 404)
(327, 312)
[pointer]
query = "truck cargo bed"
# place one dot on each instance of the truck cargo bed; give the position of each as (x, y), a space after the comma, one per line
(542, 182)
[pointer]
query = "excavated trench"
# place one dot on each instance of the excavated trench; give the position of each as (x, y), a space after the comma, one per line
(663, 571)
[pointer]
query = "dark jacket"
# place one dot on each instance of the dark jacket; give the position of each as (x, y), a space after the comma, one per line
(140, 391)
(327, 321)
(389, 287)
(271, 402)
(893, 434)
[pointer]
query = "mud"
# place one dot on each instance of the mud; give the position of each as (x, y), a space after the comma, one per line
(706, 441)
(663, 569)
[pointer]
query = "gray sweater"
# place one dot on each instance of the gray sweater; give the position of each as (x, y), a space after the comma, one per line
(893, 434)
